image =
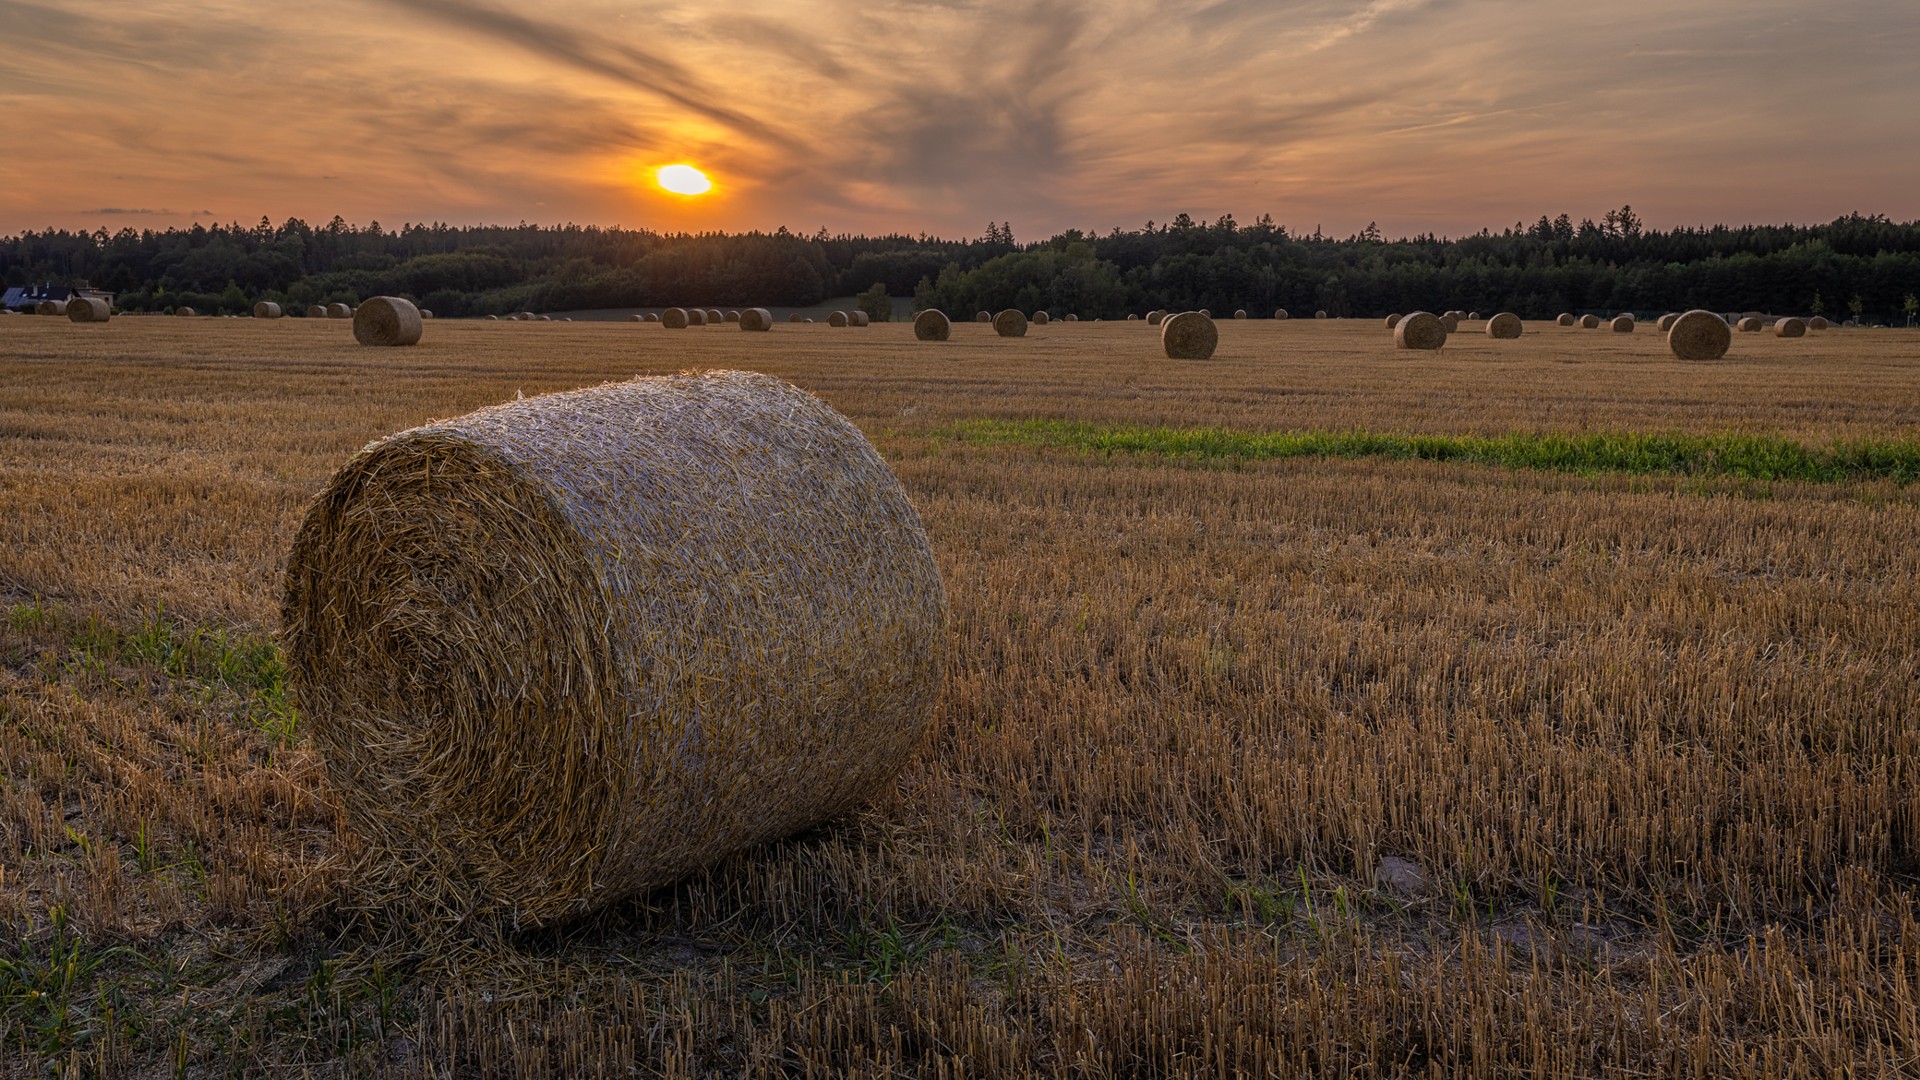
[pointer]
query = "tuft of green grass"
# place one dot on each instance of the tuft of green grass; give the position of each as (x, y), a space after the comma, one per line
(1732, 454)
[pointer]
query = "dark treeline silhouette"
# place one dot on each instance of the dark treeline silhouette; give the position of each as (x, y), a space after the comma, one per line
(1855, 267)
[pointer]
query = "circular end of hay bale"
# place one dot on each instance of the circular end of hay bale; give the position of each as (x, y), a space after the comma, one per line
(1420, 330)
(983, 316)
(387, 321)
(1565, 319)
(1280, 315)
(715, 316)
(733, 316)
(1817, 323)
(1750, 325)
(1040, 318)
(546, 670)
(838, 318)
(1189, 335)
(1156, 317)
(1449, 322)
(1010, 323)
(1394, 320)
(1240, 313)
(319, 311)
(755, 318)
(266, 309)
(1505, 326)
(858, 318)
(88, 309)
(932, 325)
(1589, 322)
(1622, 324)
(1699, 335)
(182, 312)
(794, 318)
(676, 318)
(1207, 312)
(339, 311)
(1790, 327)
(1133, 318)
(1319, 314)
(653, 317)
(1666, 321)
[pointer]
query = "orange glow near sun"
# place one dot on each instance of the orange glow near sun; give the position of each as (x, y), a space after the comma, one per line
(682, 180)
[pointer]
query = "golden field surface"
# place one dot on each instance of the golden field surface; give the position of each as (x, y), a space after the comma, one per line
(1305, 766)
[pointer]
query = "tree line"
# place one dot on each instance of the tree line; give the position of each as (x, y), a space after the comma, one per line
(1861, 267)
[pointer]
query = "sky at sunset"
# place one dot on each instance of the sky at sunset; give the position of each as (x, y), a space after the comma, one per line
(940, 115)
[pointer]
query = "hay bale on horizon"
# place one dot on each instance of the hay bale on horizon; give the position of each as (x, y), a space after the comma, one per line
(755, 318)
(1622, 324)
(606, 588)
(1505, 326)
(636, 318)
(428, 315)
(675, 318)
(734, 316)
(492, 318)
(387, 321)
(715, 316)
(50, 307)
(339, 311)
(696, 317)
(1240, 313)
(182, 312)
(1280, 315)
(857, 317)
(1010, 323)
(983, 316)
(1156, 317)
(1420, 330)
(838, 318)
(1041, 318)
(1132, 317)
(1751, 325)
(1566, 319)
(794, 318)
(1817, 323)
(1189, 335)
(319, 311)
(1699, 335)
(1074, 318)
(932, 325)
(266, 309)
(1473, 316)
(88, 309)
(1319, 314)
(1666, 321)
(1589, 322)
(1790, 327)
(1393, 320)
(1449, 322)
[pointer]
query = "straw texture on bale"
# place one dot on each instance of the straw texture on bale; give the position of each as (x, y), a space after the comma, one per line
(1589, 322)
(1622, 324)
(387, 321)
(1505, 326)
(179, 312)
(1790, 327)
(1393, 320)
(676, 318)
(1189, 335)
(1751, 325)
(561, 650)
(1010, 323)
(1565, 319)
(1280, 314)
(1450, 322)
(319, 311)
(734, 316)
(88, 309)
(50, 307)
(983, 316)
(1420, 330)
(1041, 318)
(1817, 323)
(838, 318)
(1699, 335)
(858, 318)
(339, 311)
(755, 318)
(266, 309)
(932, 325)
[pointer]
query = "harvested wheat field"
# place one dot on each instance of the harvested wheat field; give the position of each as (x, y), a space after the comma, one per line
(1539, 707)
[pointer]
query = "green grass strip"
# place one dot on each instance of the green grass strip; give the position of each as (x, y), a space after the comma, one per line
(1753, 457)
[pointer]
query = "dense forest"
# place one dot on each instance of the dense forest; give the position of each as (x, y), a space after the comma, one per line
(1864, 268)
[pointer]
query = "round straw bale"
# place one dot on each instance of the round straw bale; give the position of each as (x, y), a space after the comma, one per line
(1817, 323)
(1699, 335)
(838, 318)
(317, 311)
(546, 318)
(1565, 319)
(733, 316)
(858, 318)
(339, 311)
(182, 311)
(1075, 318)
(1133, 318)
(715, 316)
(1010, 323)
(1040, 318)
(653, 317)
(1790, 327)
(493, 318)
(1589, 322)
(1393, 320)
(1751, 325)
(1319, 314)
(1280, 314)
(1156, 317)
(696, 317)
(50, 307)
(1505, 326)
(983, 316)
(756, 318)
(562, 650)
(1450, 322)
(1666, 321)
(932, 325)
(387, 320)
(675, 318)
(1190, 335)
(636, 318)
(1208, 312)
(795, 317)
(425, 314)
(809, 320)
(1473, 316)
(1240, 313)
(1420, 330)
(266, 309)
(88, 309)
(527, 316)
(1622, 324)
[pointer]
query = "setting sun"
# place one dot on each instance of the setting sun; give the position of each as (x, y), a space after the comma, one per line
(683, 180)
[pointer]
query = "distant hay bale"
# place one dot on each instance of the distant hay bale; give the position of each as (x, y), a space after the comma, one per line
(1505, 326)
(1473, 316)
(1393, 321)
(1075, 318)
(1190, 335)
(1666, 321)
(809, 320)
(183, 311)
(1699, 335)
(1790, 327)
(838, 318)
(1208, 312)
(1751, 325)
(1010, 323)
(387, 321)
(983, 316)
(1040, 318)
(266, 309)
(636, 318)
(733, 316)
(932, 325)
(675, 318)
(795, 317)
(562, 650)
(428, 315)
(319, 311)
(1133, 318)
(546, 318)
(1156, 317)
(696, 317)
(339, 311)
(1622, 324)
(50, 307)
(1240, 313)
(493, 318)
(1319, 314)
(858, 318)
(755, 318)
(653, 317)
(715, 316)
(1817, 323)
(1589, 322)
(88, 309)
(527, 316)
(1420, 330)
(1449, 322)
(1565, 319)
(1280, 315)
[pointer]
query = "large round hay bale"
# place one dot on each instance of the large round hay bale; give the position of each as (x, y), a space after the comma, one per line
(858, 318)
(1189, 335)
(1589, 322)
(1666, 321)
(1565, 319)
(1040, 318)
(983, 316)
(50, 307)
(1393, 320)
(1505, 326)
(319, 311)
(1449, 322)
(755, 318)
(1817, 323)
(1751, 325)
(182, 312)
(1280, 315)
(1790, 327)
(339, 311)
(562, 650)
(1240, 313)
(696, 317)
(1156, 317)
(387, 321)
(733, 316)
(1622, 324)
(675, 318)
(838, 318)
(1420, 330)
(1010, 323)
(1699, 335)
(266, 309)
(88, 309)
(932, 325)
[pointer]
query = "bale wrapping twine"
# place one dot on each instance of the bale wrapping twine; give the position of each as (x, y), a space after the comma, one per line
(88, 309)
(1699, 335)
(1190, 335)
(1505, 326)
(932, 325)
(1010, 323)
(387, 321)
(1420, 330)
(562, 650)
